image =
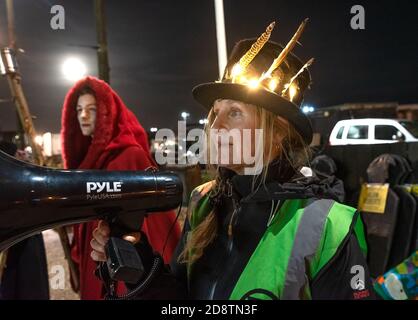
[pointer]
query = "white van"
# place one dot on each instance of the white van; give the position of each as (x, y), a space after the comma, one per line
(373, 131)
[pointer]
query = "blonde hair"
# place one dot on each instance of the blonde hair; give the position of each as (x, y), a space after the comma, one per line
(277, 133)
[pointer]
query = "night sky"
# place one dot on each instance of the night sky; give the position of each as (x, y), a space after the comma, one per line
(159, 50)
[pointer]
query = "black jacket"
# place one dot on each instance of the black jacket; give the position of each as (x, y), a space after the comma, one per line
(214, 275)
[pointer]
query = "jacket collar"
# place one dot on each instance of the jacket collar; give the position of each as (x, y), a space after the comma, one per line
(283, 182)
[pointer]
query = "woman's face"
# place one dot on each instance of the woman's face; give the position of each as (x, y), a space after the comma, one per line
(233, 133)
(86, 114)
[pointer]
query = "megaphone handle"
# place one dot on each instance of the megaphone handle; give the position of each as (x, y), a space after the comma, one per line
(123, 262)
(125, 223)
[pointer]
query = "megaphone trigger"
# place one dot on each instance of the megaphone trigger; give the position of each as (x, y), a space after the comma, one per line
(125, 223)
(123, 262)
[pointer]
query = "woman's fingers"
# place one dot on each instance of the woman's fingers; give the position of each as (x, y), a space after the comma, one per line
(103, 227)
(100, 237)
(99, 240)
(102, 232)
(96, 246)
(98, 256)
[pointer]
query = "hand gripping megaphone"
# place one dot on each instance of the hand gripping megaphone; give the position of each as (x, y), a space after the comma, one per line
(34, 198)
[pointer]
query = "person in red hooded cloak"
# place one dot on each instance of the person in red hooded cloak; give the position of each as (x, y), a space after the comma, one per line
(100, 132)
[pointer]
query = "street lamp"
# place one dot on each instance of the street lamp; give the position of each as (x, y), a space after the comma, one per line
(73, 69)
(185, 115)
(308, 109)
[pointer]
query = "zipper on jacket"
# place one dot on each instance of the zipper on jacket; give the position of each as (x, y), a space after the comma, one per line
(230, 245)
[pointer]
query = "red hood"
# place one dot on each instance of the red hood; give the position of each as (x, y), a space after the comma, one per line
(116, 127)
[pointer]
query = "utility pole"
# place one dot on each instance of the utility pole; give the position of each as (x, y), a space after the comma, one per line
(14, 79)
(220, 36)
(102, 53)
(12, 44)
(11, 24)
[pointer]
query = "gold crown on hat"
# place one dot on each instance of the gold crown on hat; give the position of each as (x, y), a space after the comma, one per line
(240, 75)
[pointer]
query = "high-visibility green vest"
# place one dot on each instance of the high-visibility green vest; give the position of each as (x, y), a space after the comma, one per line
(303, 237)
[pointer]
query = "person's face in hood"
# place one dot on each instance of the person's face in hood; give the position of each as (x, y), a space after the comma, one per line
(86, 114)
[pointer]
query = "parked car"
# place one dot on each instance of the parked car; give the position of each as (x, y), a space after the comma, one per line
(373, 131)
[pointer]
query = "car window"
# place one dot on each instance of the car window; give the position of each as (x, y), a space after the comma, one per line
(340, 133)
(358, 132)
(411, 126)
(386, 132)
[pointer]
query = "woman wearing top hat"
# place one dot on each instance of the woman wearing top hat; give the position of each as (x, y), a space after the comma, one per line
(279, 232)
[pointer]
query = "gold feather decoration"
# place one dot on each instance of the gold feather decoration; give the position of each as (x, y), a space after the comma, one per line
(306, 65)
(291, 44)
(246, 59)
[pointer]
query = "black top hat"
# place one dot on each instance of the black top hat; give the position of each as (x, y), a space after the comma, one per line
(266, 74)
(8, 147)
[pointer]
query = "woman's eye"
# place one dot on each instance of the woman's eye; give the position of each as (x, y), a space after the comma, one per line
(235, 113)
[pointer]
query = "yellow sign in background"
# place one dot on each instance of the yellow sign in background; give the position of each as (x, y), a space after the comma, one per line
(373, 197)
(414, 189)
